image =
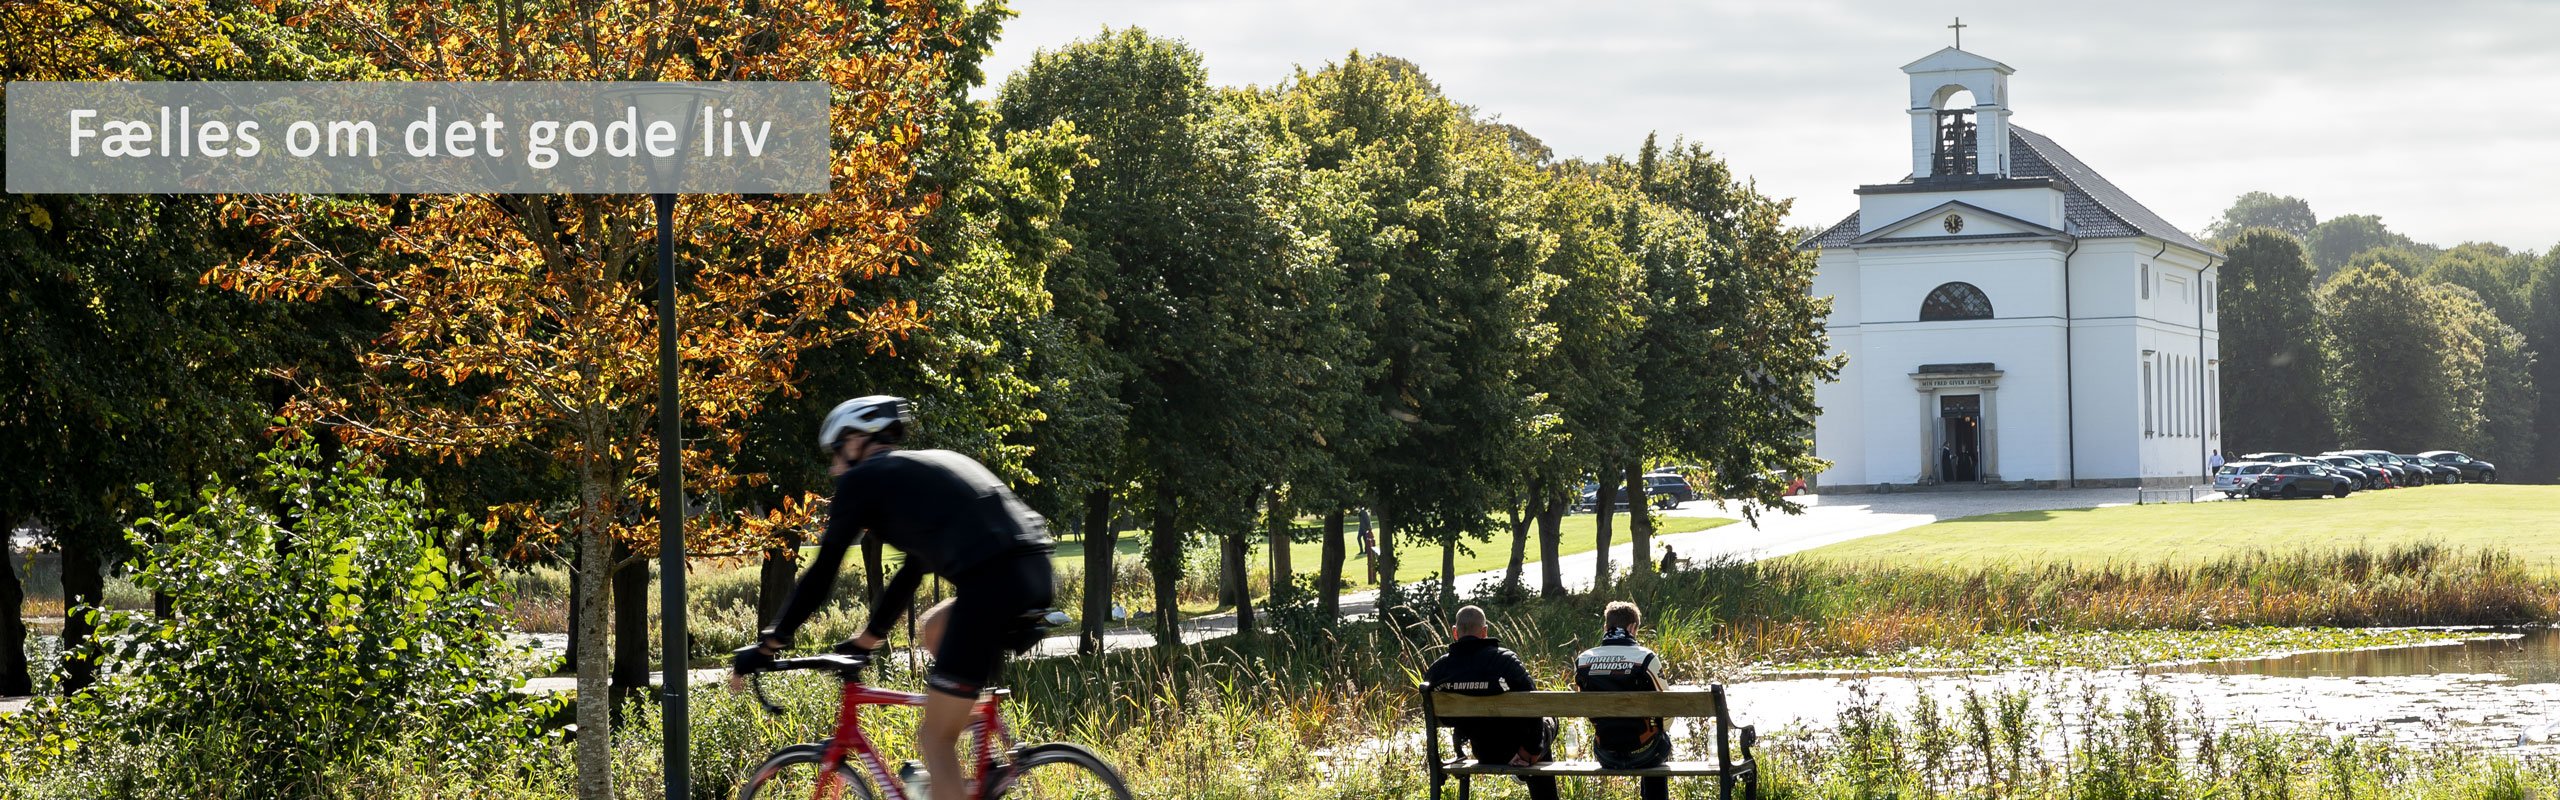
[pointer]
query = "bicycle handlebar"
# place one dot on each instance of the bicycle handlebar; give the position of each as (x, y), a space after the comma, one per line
(840, 664)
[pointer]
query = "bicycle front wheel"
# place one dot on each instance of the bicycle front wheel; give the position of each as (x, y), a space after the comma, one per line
(792, 773)
(1062, 771)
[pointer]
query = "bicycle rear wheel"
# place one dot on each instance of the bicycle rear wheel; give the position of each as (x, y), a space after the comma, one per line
(1062, 771)
(791, 773)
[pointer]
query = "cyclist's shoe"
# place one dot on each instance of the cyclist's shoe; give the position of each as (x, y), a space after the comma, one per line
(849, 647)
(750, 659)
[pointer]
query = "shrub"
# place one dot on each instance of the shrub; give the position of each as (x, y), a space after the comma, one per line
(319, 619)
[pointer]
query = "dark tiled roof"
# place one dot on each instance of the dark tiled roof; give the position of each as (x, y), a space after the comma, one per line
(2093, 207)
(1836, 236)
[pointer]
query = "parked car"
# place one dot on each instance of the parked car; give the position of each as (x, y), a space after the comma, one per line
(1668, 489)
(2401, 474)
(2300, 479)
(2367, 475)
(2473, 469)
(2236, 477)
(1589, 500)
(2273, 458)
(2445, 473)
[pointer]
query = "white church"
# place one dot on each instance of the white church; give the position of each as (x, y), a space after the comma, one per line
(2011, 317)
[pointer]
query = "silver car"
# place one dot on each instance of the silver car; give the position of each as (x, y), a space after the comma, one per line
(2236, 477)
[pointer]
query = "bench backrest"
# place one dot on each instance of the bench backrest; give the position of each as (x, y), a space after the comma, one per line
(1678, 701)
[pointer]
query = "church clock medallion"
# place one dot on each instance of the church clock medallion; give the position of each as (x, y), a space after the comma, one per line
(1954, 223)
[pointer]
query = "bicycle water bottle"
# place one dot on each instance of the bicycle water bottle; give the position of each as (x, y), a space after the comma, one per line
(916, 780)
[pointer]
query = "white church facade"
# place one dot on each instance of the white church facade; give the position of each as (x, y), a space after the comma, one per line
(2009, 316)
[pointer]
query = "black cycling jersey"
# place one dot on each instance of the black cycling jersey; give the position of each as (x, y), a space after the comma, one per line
(944, 510)
(1481, 666)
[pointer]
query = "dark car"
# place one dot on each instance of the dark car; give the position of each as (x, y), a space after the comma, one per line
(2473, 469)
(2367, 475)
(1668, 489)
(2432, 472)
(2401, 474)
(2301, 479)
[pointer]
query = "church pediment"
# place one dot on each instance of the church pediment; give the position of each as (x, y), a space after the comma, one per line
(1950, 59)
(1954, 222)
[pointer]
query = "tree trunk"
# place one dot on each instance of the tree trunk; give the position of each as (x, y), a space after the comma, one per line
(82, 585)
(1639, 523)
(1605, 504)
(1276, 519)
(773, 583)
(1550, 538)
(1520, 511)
(1099, 541)
(1239, 542)
(577, 600)
(1164, 561)
(1449, 572)
(1229, 576)
(630, 629)
(594, 712)
(1386, 561)
(14, 678)
(1329, 567)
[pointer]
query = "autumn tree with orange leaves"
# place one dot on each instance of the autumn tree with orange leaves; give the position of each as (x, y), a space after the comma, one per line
(537, 308)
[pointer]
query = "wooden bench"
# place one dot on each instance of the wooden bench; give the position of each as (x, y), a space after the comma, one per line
(1734, 764)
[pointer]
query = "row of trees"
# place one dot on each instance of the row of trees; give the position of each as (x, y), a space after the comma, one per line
(1137, 295)
(2404, 346)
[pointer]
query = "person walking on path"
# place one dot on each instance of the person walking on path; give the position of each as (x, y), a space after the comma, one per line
(1619, 664)
(2214, 463)
(1477, 664)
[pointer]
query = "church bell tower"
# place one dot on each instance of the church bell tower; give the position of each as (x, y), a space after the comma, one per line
(1956, 141)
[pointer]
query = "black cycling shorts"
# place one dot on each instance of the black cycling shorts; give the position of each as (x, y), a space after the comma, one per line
(987, 607)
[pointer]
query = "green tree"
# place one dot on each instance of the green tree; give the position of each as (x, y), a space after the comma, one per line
(2501, 277)
(2271, 346)
(2290, 215)
(1733, 340)
(1584, 378)
(2339, 239)
(2388, 383)
(2542, 340)
(1450, 238)
(1196, 278)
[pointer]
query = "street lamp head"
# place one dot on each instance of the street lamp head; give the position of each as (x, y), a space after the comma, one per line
(671, 101)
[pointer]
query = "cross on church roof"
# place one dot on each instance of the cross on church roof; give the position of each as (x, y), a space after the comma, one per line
(1959, 29)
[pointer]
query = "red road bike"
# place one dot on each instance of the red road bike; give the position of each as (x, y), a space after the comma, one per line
(826, 770)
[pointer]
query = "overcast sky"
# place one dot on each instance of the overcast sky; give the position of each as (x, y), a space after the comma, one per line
(2441, 117)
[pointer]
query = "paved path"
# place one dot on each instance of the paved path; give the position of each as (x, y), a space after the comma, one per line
(1828, 519)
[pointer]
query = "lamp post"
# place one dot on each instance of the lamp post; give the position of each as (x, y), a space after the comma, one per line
(678, 102)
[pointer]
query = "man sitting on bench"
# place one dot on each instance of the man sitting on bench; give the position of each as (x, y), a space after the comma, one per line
(1477, 664)
(1621, 665)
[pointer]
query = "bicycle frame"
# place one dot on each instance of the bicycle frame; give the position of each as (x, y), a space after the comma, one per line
(985, 730)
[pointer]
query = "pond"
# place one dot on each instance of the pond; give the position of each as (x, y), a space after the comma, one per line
(2500, 690)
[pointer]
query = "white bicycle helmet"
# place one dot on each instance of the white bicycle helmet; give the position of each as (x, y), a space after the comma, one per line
(882, 416)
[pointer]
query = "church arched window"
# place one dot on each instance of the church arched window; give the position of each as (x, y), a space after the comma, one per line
(1957, 300)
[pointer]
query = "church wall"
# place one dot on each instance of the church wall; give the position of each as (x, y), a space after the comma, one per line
(2116, 325)
(1839, 430)
(2021, 279)
(2042, 206)
(2024, 411)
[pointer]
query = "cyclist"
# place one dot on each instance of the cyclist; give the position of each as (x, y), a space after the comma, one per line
(952, 518)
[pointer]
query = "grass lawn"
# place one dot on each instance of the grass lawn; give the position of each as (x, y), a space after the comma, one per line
(2519, 519)
(1579, 535)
